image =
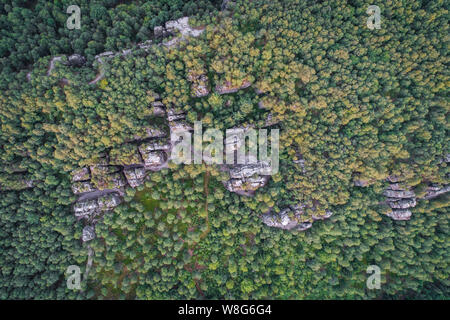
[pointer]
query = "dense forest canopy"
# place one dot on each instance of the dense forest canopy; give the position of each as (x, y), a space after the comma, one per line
(355, 108)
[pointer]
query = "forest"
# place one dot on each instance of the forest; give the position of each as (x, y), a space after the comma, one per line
(362, 115)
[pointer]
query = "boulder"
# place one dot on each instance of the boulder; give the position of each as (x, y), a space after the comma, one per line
(403, 214)
(82, 174)
(434, 191)
(395, 178)
(396, 187)
(228, 87)
(287, 220)
(76, 60)
(200, 84)
(152, 132)
(159, 32)
(304, 226)
(402, 203)
(270, 120)
(360, 183)
(400, 194)
(157, 145)
(85, 209)
(109, 201)
(175, 115)
(154, 158)
(158, 109)
(88, 233)
(182, 25)
(281, 220)
(135, 176)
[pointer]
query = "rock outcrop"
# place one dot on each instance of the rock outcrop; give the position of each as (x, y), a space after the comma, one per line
(92, 208)
(76, 60)
(200, 84)
(88, 233)
(227, 87)
(82, 174)
(293, 218)
(435, 190)
(245, 179)
(399, 198)
(401, 215)
(135, 176)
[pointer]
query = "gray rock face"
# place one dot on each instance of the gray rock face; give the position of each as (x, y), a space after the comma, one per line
(246, 185)
(287, 219)
(360, 183)
(159, 32)
(394, 178)
(224, 5)
(158, 109)
(88, 233)
(182, 25)
(400, 198)
(227, 87)
(301, 162)
(434, 191)
(154, 158)
(261, 104)
(76, 60)
(242, 171)
(89, 209)
(400, 194)
(180, 126)
(246, 178)
(175, 115)
(109, 201)
(200, 83)
(82, 174)
(157, 145)
(135, 176)
(292, 218)
(400, 214)
(304, 226)
(85, 209)
(402, 203)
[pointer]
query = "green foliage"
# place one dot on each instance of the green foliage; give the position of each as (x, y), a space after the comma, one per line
(351, 101)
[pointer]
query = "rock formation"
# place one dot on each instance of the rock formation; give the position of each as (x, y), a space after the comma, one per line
(293, 218)
(228, 87)
(200, 84)
(399, 198)
(245, 179)
(88, 233)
